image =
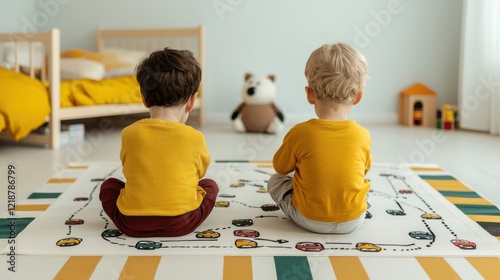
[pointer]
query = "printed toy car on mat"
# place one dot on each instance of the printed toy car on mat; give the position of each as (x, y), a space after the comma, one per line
(405, 191)
(246, 233)
(396, 212)
(74, 222)
(269, 207)
(245, 243)
(464, 244)
(242, 222)
(80, 198)
(309, 246)
(222, 204)
(207, 234)
(421, 235)
(430, 216)
(147, 245)
(111, 233)
(368, 247)
(67, 242)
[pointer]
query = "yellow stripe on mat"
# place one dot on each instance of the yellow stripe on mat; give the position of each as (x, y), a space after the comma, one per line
(140, 267)
(466, 200)
(78, 267)
(32, 207)
(348, 268)
(487, 267)
(78, 167)
(437, 268)
(238, 267)
(447, 185)
(61, 180)
(434, 169)
(484, 218)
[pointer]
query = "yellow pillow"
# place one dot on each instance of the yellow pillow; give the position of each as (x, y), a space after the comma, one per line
(24, 103)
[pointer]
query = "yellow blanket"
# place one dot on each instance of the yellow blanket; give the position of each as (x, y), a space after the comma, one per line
(108, 91)
(24, 102)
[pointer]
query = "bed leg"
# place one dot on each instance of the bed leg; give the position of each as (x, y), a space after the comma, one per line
(55, 134)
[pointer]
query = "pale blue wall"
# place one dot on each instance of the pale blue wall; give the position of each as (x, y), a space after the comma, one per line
(418, 43)
(15, 15)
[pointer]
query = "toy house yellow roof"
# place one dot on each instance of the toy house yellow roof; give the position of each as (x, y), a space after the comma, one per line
(418, 89)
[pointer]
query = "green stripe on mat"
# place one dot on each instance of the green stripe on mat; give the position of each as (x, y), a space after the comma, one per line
(437, 177)
(292, 268)
(11, 227)
(43, 195)
(459, 194)
(475, 209)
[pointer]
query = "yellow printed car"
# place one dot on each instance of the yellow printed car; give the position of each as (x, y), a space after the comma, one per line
(245, 243)
(430, 216)
(368, 247)
(207, 234)
(67, 242)
(222, 204)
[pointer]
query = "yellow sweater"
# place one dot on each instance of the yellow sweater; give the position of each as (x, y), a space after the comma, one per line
(162, 163)
(330, 160)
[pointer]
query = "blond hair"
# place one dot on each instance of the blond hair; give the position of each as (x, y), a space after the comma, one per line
(336, 72)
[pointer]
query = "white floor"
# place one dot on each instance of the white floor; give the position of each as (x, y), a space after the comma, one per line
(473, 158)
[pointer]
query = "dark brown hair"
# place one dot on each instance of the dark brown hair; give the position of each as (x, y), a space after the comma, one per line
(168, 77)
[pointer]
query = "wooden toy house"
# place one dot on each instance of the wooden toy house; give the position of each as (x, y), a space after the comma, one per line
(417, 106)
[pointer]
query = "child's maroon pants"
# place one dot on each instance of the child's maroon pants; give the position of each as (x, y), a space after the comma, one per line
(147, 226)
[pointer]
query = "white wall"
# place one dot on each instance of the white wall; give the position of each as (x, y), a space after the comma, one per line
(479, 87)
(405, 41)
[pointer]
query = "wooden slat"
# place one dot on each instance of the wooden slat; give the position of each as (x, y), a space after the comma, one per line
(79, 112)
(183, 32)
(44, 37)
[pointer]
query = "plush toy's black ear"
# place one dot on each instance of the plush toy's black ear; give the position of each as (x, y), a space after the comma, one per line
(272, 77)
(248, 76)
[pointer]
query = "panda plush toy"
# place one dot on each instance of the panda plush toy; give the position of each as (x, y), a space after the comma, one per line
(257, 112)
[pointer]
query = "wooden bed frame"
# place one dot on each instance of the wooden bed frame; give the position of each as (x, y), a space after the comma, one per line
(146, 40)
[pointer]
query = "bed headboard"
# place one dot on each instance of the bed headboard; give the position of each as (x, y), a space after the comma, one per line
(149, 40)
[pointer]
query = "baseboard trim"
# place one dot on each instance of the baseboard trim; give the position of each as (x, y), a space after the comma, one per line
(291, 119)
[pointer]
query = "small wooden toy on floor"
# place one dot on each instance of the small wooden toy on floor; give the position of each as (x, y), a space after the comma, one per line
(417, 106)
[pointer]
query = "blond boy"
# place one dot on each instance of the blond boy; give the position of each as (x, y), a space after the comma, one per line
(321, 166)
